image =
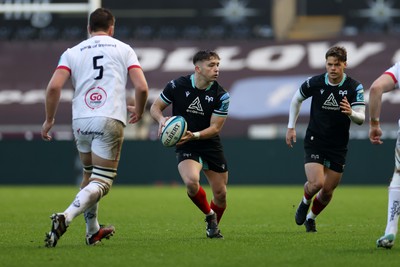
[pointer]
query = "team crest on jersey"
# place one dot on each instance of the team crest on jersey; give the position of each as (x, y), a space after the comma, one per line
(186, 155)
(314, 156)
(331, 103)
(95, 97)
(195, 107)
(209, 98)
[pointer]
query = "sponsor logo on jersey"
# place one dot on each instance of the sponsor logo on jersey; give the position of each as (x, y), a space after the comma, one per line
(187, 93)
(342, 93)
(330, 103)
(195, 107)
(95, 97)
(89, 132)
(97, 45)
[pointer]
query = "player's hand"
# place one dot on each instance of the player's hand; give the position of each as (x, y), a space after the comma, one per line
(187, 137)
(161, 125)
(345, 106)
(133, 116)
(47, 125)
(290, 136)
(375, 134)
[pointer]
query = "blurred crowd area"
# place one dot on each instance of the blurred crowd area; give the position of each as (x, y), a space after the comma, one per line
(219, 19)
(165, 32)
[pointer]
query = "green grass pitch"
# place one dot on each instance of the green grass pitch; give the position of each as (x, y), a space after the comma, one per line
(159, 226)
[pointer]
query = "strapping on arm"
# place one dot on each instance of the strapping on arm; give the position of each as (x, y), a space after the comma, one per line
(358, 114)
(295, 106)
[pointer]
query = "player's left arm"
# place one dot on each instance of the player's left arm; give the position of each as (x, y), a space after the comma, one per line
(356, 112)
(355, 107)
(217, 120)
(216, 124)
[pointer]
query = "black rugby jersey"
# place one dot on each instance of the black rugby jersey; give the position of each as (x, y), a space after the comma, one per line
(328, 126)
(196, 105)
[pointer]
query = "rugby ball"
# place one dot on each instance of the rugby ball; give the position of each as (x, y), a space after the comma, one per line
(173, 130)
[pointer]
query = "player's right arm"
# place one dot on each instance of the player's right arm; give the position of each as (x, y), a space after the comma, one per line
(156, 112)
(294, 111)
(53, 93)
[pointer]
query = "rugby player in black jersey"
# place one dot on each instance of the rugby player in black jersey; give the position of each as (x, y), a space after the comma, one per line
(337, 100)
(204, 105)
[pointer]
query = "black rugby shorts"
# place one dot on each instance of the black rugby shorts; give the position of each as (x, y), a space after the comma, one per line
(211, 160)
(332, 158)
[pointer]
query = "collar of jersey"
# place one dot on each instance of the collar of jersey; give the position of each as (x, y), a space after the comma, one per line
(340, 84)
(194, 85)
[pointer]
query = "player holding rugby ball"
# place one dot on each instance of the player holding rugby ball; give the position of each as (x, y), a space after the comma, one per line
(204, 105)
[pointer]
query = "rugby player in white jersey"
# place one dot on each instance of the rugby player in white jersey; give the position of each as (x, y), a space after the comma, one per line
(98, 68)
(337, 100)
(204, 105)
(386, 82)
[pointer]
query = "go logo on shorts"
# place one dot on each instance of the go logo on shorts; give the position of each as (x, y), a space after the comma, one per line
(95, 97)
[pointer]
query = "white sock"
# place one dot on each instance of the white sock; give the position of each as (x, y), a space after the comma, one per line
(311, 215)
(210, 213)
(393, 211)
(306, 201)
(87, 197)
(92, 224)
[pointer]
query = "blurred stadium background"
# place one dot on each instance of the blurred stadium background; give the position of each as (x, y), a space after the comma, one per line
(268, 48)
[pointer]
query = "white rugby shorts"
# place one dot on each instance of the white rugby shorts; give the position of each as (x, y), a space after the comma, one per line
(101, 135)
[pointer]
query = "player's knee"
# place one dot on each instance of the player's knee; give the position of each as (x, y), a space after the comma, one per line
(314, 187)
(220, 195)
(192, 188)
(105, 177)
(192, 184)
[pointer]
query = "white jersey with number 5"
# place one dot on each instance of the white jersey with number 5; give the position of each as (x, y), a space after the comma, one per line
(99, 70)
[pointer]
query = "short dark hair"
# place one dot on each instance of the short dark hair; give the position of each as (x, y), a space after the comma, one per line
(204, 55)
(101, 20)
(338, 52)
